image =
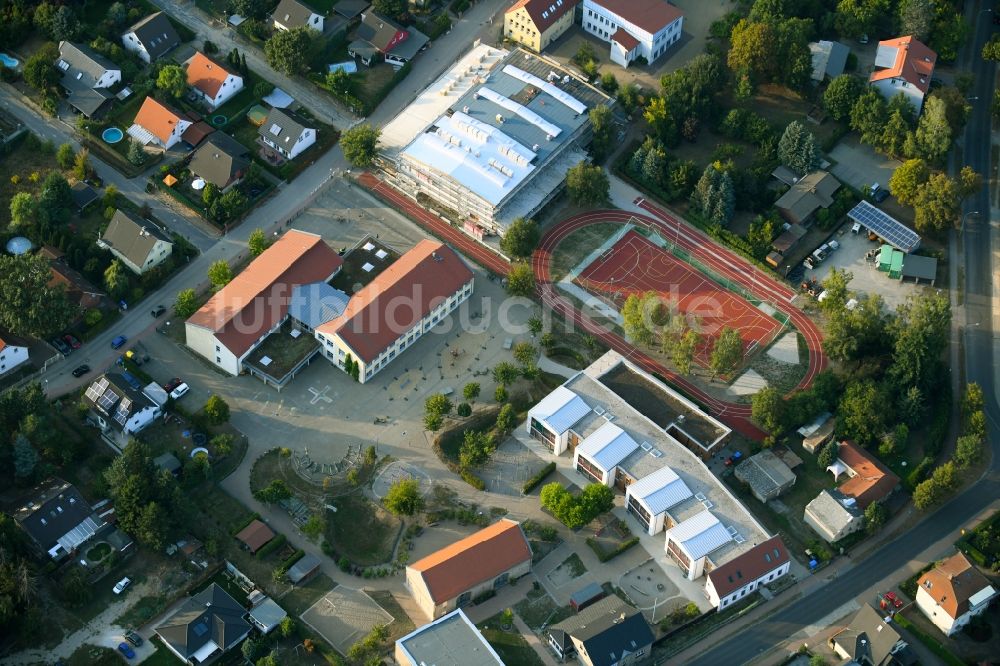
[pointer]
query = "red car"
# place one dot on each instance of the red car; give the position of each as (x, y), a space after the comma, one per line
(894, 600)
(729, 461)
(71, 341)
(172, 384)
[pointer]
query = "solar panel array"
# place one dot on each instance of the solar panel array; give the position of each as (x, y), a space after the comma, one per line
(124, 408)
(885, 226)
(96, 390)
(108, 399)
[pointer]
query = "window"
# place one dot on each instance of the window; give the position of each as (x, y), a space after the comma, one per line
(217, 348)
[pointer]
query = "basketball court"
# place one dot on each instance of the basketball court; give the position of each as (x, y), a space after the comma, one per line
(636, 265)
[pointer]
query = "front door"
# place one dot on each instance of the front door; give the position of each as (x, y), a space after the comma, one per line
(501, 581)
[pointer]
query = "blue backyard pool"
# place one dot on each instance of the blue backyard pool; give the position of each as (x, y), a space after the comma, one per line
(9, 61)
(112, 135)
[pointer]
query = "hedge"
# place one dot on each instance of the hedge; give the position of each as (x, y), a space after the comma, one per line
(271, 546)
(473, 480)
(253, 516)
(605, 555)
(292, 559)
(531, 483)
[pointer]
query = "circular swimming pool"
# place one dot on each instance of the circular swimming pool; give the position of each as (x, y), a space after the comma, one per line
(219, 121)
(112, 135)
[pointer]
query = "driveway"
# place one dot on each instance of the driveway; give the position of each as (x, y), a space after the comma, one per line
(859, 165)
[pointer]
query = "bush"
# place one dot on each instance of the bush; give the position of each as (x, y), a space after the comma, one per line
(605, 555)
(292, 559)
(473, 480)
(271, 546)
(539, 476)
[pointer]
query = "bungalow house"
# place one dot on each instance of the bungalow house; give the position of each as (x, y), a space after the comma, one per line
(833, 515)
(57, 518)
(537, 23)
(138, 243)
(296, 14)
(809, 194)
(607, 633)
(287, 133)
(151, 37)
(13, 352)
(266, 614)
(87, 77)
(872, 640)
(767, 475)
(221, 160)
(953, 592)
(903, 65)
(868, 479)
(205, 626)
(481, 562)
(119, 410)
(158, 125)
(379, 37)
(212, 82)
(744, 574)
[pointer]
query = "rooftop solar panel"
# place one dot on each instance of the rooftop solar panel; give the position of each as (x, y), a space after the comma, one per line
(123, 410)
(96, 390)
(106, 400)
(885, 226)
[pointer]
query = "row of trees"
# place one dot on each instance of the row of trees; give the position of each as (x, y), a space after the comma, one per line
(936, 198)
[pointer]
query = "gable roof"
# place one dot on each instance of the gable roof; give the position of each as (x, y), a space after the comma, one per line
(811, 192)
(255, 535)
(132, 236)
(660, 490)
(156, 34)
(560, 409)
(205, 74)
(872, 480)
(609, 630)
(258, 298)
(625, 38)
(281, 126)
(906, 58)
(293, 13)
(56, 513)
(378, 30)
(8, 339)
(650, 15)
(399, 297)
(158, 119)
(828, 59)
(700, 534)
(544, 13)
(82, 60)
(869, 636)
(307, 564)
(220, 159)
(607, 446)
(211, 615)
(351, 8)
(112, 396)
(478, 557)
(953, 582)
(78, 288)
(751, 565)
(83, 194)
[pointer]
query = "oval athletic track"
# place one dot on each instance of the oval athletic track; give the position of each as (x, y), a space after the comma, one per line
(725, 263)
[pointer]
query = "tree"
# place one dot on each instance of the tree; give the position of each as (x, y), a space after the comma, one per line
(360, 144)
(64, 156)
(273, 492)
(916, 18)
(339, 81)
(857, 17)
(287, 627)
(991, 50)
(714, 196)
(875, 517)
(587, 184)
(968, 450)
(869, 116)
(253, 649)
(470, 391)
(464, 409)
(403, 497)
(25, 458)
(525, 353)
(937, 205)
(506, 419)
(23, 209)
(521, 280)
(136, 153)
(908, 179)
(637, 317)
(727, 351)
(863, 412)
(116, 279)
(768, 410)
(216, 410)
(438, 404)
(64, 26)
(81, 164)
(827, 455)
(257, 242)
(172, 80)
(220, 274)
(228, 206)
(969, 182)
(932, 140)
(662, 121)
(840, 96)
(505, 373)
(288, 50)
(389, 7)
(896, 135)
(476, 449)
(521, 237)
(28, 305)
(251, 9)
(39, 70)
(797, 148)
(628, 97)
(602, 127)
(186, 303)
(683, 352)
(55, 203)
(152, 527)
(836, 287)
(753, 52)
(500, 393)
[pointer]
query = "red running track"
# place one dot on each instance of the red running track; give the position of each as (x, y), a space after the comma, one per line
(636, 265)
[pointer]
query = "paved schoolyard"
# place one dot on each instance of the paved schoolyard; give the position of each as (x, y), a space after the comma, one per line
(859, 165)
(344, 616)
(509, 467)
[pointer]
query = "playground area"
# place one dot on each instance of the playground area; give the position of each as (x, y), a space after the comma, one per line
(635, 264)
(344, 616)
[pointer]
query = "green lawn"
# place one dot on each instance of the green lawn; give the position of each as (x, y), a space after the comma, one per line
(538, 609)
(510, 645)
(361, 530)
(297, 600)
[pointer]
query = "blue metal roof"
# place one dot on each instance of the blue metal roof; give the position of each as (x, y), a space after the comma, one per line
(660, 490)
(607, 446)
(560, 409)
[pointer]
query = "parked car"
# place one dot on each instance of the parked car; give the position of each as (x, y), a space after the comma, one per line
(133, 638)
(172, 384)
(180, 391)
(126, 650)
(878, 193)
(119, 342)
(61, 346)
(81, 370)
(158, 311)
(72, 341)
(121, 585)
(894, 600)
(833, 245)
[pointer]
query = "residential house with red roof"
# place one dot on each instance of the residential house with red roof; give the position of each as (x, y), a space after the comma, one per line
(158, 125)
(212, 82)
(953, 592)
(453, 576)
(256, 302)
(868, 480)
(395, 309)
(537, 23)
(745, 573)
(634, 28)
(904, 65)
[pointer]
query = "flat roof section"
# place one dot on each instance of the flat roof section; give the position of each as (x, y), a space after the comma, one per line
(451, 640)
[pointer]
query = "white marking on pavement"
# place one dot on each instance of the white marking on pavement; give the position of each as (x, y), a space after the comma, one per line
(320, 395)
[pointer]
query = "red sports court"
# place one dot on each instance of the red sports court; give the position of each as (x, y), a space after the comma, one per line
(636, 265)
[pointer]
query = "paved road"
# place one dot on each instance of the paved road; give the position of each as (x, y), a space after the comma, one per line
(174, 216)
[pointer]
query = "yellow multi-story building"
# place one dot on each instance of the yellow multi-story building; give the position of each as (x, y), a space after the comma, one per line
(537, 23)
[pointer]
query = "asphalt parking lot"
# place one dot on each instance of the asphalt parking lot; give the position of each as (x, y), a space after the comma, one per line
(859, 166)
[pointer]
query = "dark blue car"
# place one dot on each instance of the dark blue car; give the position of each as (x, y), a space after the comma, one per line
(119, 342)
(126, 650)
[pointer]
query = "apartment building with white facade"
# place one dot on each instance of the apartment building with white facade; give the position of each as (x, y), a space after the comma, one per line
(634, 28)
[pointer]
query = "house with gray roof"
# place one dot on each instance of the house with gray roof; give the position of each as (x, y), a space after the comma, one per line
(205, 627)
(140, 244)
(379, 37)
(118, 409)
(608, 633)
(872, 640)
(809, 194)
(296, 14)
(87, 78)
(57, 518)
(287, 133)
(151, 38)
(221, 160)
(828, 59)
(833, 515)
(767, 475)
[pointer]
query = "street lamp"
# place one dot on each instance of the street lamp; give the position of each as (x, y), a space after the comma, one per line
(961, 228)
